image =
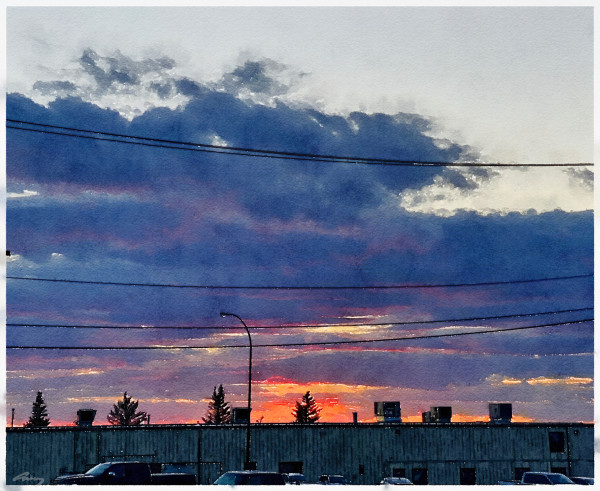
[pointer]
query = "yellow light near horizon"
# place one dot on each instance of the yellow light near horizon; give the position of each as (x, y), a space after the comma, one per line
(512, 381)
(89, 371)
(347, 330)
(566, 381)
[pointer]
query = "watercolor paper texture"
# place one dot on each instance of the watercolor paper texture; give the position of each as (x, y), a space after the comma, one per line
(335, 264)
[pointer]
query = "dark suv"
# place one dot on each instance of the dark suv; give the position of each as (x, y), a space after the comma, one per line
(115, 473)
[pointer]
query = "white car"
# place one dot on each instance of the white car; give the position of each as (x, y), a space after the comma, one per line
(332, 479)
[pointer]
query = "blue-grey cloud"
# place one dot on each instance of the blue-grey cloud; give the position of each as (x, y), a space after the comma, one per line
(255, 76)
(584, 177)
(56, 87)
(110, 71)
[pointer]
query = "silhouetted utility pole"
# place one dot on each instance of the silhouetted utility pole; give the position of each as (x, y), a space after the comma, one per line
(247, 460)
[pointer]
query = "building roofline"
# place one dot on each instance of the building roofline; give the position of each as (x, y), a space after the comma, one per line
(298, 425)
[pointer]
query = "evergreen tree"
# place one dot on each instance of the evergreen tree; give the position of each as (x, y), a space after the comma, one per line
(124, 413)
(218, 410)
(306, 411)
(39, 413)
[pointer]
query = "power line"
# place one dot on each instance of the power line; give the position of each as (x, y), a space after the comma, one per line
(284, 345)
(404, 323)
(253, 152)
(354, 287)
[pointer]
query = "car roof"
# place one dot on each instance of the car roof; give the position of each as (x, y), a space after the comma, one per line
(251, 472)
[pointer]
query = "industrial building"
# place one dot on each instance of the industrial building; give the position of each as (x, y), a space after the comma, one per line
(427, 453)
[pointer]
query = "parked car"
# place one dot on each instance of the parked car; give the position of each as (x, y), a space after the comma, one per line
(123, 473)
(396, 480)
(588, 481)
(295, 478)
(256, 478)
(332, 479)
(545, 478)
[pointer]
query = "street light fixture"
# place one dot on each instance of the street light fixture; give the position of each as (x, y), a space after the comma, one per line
(247, 465)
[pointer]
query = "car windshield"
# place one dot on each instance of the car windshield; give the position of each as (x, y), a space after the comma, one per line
(230, 478)
(559, 479)
(98, 470)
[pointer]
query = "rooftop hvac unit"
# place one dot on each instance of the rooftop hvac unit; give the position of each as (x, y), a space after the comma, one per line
(388, 412)
(500, 412)
(441, 414)
(240, 415)
(85, 417)
(426, 416)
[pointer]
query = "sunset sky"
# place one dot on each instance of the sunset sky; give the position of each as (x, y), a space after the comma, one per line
(152, 239)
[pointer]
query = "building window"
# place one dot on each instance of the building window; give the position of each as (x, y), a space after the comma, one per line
(419, 476)
(557, 441)
(398, 472)
(290, 467)
(560, 470)
(361, 469)
(519, 471)
(468, 476)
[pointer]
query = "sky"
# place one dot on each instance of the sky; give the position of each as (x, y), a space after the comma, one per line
(151, 239)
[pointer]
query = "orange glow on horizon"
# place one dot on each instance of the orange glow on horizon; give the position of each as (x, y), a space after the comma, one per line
(567, 380)
(282, 387)
(280, 411)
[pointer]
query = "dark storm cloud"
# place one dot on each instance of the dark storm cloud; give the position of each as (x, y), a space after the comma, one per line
(259, 250)
(309, 190)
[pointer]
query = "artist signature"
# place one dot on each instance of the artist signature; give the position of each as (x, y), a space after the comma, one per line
(28, 478)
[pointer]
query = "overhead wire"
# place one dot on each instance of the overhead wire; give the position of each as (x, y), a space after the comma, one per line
(314, 287)
(299, 344)
(253, 152)
(403, 323)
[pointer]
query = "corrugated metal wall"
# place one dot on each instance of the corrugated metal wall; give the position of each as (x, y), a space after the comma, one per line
(364, 453)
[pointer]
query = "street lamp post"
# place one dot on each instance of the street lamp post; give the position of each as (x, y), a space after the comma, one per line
(247, 460)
